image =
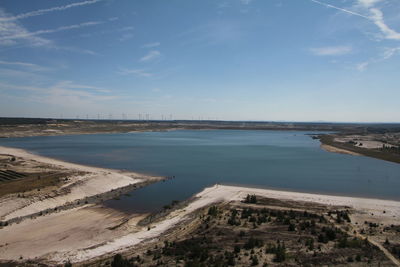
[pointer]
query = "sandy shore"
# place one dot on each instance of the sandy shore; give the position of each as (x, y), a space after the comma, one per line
(338, 150)
(94, 182)
(385, 211)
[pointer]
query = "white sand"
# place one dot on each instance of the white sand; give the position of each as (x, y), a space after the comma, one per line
(73, 229)
(96, 181)
(338, 150)
(219, 193)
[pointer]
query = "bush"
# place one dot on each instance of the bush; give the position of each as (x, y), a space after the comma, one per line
(279, 251)
(213, 211)
(119, 261)
(280, 254)
(254, 260)
(250, 199)
(252, 243)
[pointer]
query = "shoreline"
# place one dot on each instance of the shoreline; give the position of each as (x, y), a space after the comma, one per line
(53, 127)
(329, 144)
(384, 210)
(333, 149)
(23, 153)
(85, 185)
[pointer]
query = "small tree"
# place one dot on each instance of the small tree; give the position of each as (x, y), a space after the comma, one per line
(280, 253)
(254, 260)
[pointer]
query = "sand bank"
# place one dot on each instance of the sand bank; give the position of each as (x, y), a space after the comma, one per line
(88, 182)
(338, 150)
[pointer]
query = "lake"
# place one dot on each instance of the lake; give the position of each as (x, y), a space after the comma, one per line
(289, 160)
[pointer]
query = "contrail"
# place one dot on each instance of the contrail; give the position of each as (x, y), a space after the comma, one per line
(48, 10)
(341, 9)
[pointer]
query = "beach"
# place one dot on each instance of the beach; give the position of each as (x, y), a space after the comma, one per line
(338, 150)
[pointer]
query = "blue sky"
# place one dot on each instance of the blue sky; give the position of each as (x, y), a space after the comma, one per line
(273, 60)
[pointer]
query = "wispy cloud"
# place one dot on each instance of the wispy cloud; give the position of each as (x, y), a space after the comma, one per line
(14, 35)
(13, 28)
(63, 93)
(74, 49)
(116, 30)
(151, 55)
(331, 50)
(48, 10)
(21, 87)
(385, 55)
(126, 36)
(390, 52)
(72, 85)
(136, 72)
(30, 66)
(376, 16)
(362, 66)
(151, 45)
(368, 3)
(26, 34)
(20, 75)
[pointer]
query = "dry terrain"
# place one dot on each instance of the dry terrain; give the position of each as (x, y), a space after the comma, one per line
(19, 127)
(49, 206)
(261, 231)
(385, 146)
(183, 222)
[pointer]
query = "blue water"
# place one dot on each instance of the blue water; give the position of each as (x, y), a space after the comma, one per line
(274, 159)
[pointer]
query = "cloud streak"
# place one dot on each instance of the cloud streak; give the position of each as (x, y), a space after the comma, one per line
(48, 10)
(11, 28)
(31, 66)
(25, 34)
(64, 93)
(136, 72)
(150, 56)
(151, 45)
(331, 50)
(387, 54)
(377, 17)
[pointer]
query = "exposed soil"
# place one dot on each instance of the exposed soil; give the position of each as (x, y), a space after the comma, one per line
(269, 232)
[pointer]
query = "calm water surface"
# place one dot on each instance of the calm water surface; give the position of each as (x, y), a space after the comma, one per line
(274, 159)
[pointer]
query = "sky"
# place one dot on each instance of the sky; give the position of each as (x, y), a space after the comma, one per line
(261, 60)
